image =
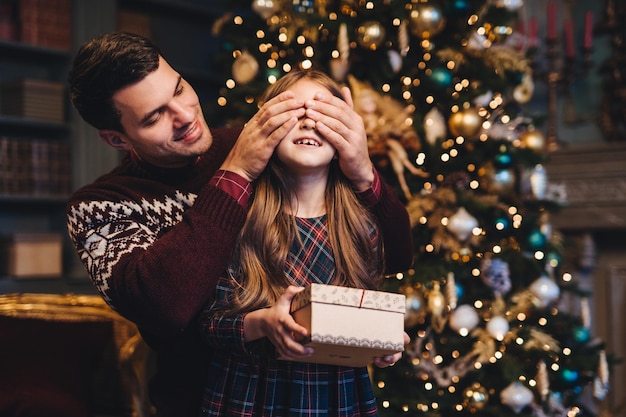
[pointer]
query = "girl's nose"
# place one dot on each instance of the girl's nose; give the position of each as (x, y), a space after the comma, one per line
(308, 124)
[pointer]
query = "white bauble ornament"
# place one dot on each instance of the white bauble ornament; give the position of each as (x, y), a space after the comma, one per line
(497, 327)
(265, 8)
(464, 318)
(545, 290)
(395, 60)
(434, 126)
(245, 68)
(516, 396)
(462, 223)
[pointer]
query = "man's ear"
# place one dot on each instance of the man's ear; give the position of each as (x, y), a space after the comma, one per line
(115, 139)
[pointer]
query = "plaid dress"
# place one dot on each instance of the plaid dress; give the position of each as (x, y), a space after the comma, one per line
(245, 379)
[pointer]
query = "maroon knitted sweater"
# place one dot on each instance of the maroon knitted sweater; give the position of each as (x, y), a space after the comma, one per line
(155, 241)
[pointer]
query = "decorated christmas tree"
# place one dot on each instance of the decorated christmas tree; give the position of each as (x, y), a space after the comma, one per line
(442, 86)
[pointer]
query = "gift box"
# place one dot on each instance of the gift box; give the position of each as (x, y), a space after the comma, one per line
(32, 255)
(349, 326)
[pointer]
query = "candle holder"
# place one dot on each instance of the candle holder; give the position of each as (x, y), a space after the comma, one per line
(560, 74)
(554, 77)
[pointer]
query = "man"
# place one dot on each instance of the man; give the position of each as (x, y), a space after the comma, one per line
(157, 231)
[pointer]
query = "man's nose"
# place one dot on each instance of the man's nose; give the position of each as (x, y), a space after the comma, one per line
(182, 114)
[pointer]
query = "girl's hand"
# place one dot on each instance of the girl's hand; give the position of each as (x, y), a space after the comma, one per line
(279, 327)
(390, 360)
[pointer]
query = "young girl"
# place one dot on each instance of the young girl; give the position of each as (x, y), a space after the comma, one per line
(305, 225)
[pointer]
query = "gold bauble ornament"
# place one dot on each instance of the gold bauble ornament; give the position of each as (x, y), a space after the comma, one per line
(370, 34)
(245, 68)
(533, 139)
(524, 91)
(475, 397)
(466, 123)
(426, 20)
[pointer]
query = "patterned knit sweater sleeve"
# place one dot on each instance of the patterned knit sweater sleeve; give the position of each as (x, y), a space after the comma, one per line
(155, 241)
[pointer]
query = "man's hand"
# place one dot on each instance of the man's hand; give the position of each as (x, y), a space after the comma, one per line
(262, 134)
(337, 121)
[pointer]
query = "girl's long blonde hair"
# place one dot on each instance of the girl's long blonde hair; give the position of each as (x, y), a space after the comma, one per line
(270, 229)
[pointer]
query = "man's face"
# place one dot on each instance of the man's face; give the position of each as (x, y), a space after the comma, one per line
(162, 119)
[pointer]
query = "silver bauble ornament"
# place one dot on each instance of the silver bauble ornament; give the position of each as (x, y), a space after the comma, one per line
(415, 308)
(497, 327)
(395, 60)
(426, 20)
(484, 99)
(477, 42)
(462, 223)
(464, 317)
(434, 126)
(265, 8)
(497, 181)
(516, 396)
(539, 182)
(495, 274)
(511, 5)
(370, 34)
(545, 291)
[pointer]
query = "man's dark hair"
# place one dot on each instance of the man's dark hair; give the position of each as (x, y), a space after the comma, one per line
(103, 66)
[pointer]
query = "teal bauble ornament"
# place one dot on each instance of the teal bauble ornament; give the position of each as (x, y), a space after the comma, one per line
(581, 334)
(502, 223)
(503, 160)
(441, 78)
(460, 6)
(536, 239)
(569, 375)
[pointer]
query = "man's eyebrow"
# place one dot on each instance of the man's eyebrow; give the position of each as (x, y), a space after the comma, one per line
(149, 115)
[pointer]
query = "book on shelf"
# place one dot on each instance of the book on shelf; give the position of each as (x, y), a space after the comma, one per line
(46, 23)
(35, 99)
(31, 255)
(34, 167)
(8, 24)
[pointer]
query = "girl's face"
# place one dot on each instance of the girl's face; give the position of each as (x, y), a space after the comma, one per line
(304, 151)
